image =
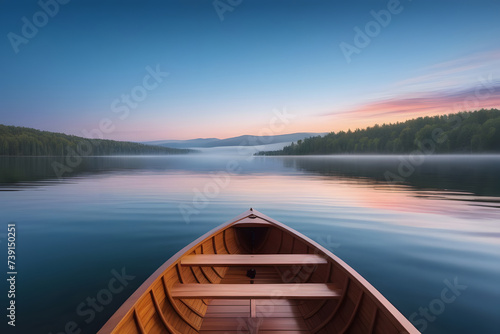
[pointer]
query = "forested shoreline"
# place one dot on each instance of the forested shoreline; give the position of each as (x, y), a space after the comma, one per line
(21, 141)
(464, 132)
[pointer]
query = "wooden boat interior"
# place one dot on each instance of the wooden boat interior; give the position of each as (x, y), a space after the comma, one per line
(256, 275)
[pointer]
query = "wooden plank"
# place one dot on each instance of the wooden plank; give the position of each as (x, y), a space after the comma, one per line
(253, 308)
(260, 332)
(226, 302)
(276, 324)
(257, 291)
(224, 324)
(225, 260)
(227, 309)
(386, 320)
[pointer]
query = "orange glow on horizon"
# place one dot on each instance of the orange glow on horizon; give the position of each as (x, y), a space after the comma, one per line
(389, 110)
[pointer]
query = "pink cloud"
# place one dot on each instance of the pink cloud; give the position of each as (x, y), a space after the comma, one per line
(476, 58)
(453, 73)
(465, 83)
(424, 104)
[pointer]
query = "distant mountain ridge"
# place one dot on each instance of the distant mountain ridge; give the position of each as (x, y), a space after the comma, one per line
(245, 140)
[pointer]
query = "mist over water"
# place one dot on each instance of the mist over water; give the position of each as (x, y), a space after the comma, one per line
(439, 221)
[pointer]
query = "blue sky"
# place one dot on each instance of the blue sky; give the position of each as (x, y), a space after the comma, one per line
(228, 77)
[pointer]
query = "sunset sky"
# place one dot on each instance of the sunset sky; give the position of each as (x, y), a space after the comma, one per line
(232, 65)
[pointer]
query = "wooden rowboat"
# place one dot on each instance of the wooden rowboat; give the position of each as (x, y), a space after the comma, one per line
(256, 275)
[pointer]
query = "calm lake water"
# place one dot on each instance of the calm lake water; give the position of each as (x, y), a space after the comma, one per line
(439, 225)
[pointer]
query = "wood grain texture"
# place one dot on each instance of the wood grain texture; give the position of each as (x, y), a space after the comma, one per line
(257, 291)
(233, 260)
(204, 288)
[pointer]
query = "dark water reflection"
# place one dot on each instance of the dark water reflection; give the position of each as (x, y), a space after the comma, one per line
(440, 222)
(471, 174)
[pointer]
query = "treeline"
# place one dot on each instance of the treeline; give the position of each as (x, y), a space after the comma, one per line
(463, 132)
(21, 141)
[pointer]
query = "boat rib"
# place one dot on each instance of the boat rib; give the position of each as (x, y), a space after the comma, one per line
(254, 274)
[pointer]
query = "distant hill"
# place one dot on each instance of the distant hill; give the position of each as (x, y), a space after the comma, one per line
(21, 141)
(245, 140)
(200, 142)
(464, 132)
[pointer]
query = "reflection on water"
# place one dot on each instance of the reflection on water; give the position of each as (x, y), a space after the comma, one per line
(439, 222)
(476, 175)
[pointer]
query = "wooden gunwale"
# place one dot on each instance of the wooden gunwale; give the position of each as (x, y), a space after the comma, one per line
(128, 308)
(380, 301)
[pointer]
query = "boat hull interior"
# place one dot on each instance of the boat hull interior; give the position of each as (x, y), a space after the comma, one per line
(256, 275)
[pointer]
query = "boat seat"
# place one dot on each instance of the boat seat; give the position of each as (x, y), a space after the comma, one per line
(257, 291)
(227, 260)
